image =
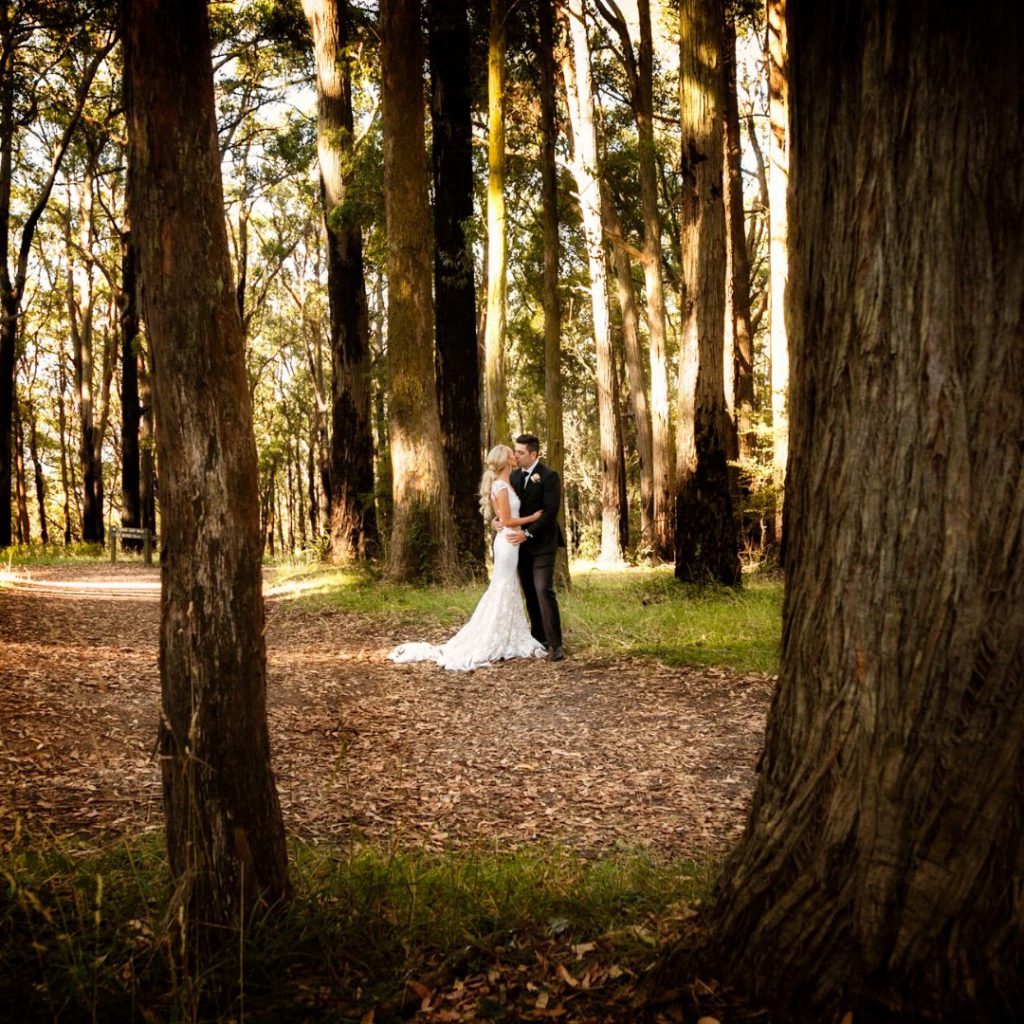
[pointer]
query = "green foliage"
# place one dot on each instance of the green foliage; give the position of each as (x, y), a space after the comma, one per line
(84, 932)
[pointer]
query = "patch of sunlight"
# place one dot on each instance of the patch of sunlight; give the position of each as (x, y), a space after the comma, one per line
(307, 585)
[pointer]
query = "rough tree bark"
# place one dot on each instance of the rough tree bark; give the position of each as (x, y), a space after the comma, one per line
(738, 326)
(879, 870)
(225, 835)
(131, 410)
(456, 356)
(422, 533)
(778, 259)
(353, 526)
(706, 543)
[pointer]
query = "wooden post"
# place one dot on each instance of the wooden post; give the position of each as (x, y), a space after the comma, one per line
(112, 533)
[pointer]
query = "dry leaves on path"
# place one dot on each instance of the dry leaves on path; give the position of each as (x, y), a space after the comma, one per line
(592, 753)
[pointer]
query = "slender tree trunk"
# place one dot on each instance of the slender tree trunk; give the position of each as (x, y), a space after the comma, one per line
(422, 534)
(876, 877)
(555, 439)
(778, 184)
(20, 483)
(37, 467)
(740, 332)
(131, 410)
(661, 431)
(579, 95)
(496, 425)
(353, 530)
(62, 427)
(706, 543)
(314, 503)
(633, 359)
(225, 834)
(458, 366)
(147, 447)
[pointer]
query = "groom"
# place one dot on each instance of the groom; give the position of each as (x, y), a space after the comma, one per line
(539, 490)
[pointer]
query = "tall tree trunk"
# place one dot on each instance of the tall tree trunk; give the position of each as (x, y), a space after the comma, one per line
(458, 365)
(778, 185)
(147, 447)
(877, 874)
(579, 96)
(62, 428)
(131, 410)
(20, 483)
(555, 430)
(353, 530)
(633, 359)
(706, 543)
(496, 426)
(225, 834)
(740, 332)
(422, 533)
(37, 467)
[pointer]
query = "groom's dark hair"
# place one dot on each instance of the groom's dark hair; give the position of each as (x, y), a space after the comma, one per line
(532, 442)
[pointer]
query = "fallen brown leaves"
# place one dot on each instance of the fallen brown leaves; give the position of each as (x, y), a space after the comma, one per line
(588, 752)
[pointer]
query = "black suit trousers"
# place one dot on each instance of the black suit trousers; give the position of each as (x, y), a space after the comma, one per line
(537, 576)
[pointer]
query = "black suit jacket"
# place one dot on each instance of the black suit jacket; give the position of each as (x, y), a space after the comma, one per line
(545, 496)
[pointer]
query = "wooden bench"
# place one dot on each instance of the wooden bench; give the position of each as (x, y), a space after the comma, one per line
(119, 533)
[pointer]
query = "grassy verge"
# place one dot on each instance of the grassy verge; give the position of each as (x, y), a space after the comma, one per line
(636, 612)
(83, 935)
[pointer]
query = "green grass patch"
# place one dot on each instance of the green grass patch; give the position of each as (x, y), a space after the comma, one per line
(634, 612)
(83, 934)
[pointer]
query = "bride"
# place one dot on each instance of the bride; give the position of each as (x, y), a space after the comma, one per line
(498, 628)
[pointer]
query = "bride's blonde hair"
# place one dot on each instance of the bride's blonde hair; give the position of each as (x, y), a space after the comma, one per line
(496, 460)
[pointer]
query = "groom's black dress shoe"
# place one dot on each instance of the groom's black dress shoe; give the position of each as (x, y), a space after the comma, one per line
(557, 654)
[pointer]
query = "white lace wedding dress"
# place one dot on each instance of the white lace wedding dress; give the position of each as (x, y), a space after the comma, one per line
(498, 628)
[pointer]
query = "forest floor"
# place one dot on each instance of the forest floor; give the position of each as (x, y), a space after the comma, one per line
(594, 754)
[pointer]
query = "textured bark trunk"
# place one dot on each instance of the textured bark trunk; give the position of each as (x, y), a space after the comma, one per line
(496, 424)
(778, 185)
(422, 534)
(457, 362)
(706, 543)
(20, 483)
(225, 835)
(633, 359)
(8, 334)
(314, 503)
(579, 96)
(555, 430)
(131, 410)
(62, 427)
(741, 351)
(877, 874)
(37, 468)
(353, 529)
(147, 447)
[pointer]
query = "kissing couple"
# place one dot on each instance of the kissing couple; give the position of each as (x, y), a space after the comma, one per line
(521, 497)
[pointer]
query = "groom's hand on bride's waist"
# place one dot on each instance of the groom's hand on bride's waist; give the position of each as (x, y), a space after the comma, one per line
(515, 537)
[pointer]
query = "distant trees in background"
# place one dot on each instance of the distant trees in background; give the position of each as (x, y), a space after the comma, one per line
(571, 324)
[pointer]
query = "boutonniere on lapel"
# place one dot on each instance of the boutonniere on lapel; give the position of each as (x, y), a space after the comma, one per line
(535, 478)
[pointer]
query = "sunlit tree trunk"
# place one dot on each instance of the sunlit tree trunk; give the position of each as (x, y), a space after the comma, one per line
(20, 483)
(580, 100)
(877, 875)
(458, 364)
(225, 835)
(633, 362)
(353, 525)
(738, 326)
(422, 533)
(37, 467)
(778, 184)
(706, 544)
(496, 426)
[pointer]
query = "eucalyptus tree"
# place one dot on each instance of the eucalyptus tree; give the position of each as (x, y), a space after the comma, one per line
(457, 358)
(706, 542)
(225, 834)
(576, 74)
(49, 56)
(422, 540)
(877, 875)
(353, 520)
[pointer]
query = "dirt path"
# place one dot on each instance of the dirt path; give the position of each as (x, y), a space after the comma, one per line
(592, 753)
